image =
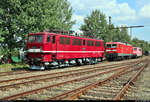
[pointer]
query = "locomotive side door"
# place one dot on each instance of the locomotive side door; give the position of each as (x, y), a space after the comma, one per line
(54, 47)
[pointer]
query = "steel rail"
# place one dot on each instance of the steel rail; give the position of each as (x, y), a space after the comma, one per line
(124, 89)
(79, 91)
(36, 76)
(61, 83)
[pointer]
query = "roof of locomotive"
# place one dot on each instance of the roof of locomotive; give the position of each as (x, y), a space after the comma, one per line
(65, 35)
(117, 43)
(137, 47)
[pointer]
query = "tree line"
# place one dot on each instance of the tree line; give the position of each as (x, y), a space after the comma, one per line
(20, 17)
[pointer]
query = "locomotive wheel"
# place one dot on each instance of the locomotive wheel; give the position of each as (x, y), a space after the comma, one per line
(79, 62)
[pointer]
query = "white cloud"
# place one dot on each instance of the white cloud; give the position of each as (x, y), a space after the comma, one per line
(144, 12)
(119, 12)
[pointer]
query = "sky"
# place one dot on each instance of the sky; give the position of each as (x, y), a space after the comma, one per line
(122, 12)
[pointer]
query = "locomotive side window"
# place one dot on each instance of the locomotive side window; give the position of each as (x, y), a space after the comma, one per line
(88, 43)
(68, 41)
(48, 38)
(61, 41)
(53, 39)
(31, 39)
(99, 44)
(92, 43)
(39, 38)
(83, 42)
(96, 43)
(79, 41)
(75, 41)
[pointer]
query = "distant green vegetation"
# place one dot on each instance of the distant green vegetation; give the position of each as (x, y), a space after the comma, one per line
(11, 67)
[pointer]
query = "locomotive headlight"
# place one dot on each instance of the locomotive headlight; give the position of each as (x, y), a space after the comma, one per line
(46, 63)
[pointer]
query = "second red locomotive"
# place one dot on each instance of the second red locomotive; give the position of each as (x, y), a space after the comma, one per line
(118, 51)
(46, 49)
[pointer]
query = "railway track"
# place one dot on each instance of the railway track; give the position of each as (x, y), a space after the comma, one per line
(140, 90)
(2, 74)
(78, 77)
(100, 90)
(64, 72)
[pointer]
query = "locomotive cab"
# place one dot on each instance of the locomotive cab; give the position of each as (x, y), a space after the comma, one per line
(137, 52)
(38, 47)
(111, 51)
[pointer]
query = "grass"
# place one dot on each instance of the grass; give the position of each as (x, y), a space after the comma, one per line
(12, 67)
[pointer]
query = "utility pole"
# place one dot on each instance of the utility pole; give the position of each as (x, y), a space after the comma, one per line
(109, 20)
(110, 27)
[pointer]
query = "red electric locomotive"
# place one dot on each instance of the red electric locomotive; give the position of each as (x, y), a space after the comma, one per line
(118, 51)
(46, 49)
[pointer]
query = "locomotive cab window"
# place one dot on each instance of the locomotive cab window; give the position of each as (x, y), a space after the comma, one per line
(39, 38)
(48, 38)
(114, 46)
(108, 45)
(31, 39)
(53, 39)
(135, 49)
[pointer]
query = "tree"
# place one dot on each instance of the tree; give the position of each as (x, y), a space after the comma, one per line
(20, 17)
(115, 34)
(124, 35)
(95, 25)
